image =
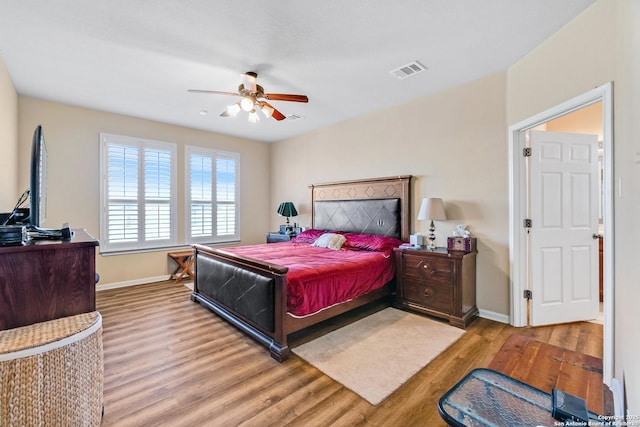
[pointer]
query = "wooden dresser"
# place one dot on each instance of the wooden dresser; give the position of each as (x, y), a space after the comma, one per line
(438, 282)
(47, 279)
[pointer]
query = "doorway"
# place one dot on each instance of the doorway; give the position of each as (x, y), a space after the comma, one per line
(519, 253)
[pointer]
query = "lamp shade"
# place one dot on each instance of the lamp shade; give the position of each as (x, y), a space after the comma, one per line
(432, 208)
(287, 209)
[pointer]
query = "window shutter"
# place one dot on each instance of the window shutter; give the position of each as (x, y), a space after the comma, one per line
(122, 184)
(212, 208)
(157, 195)
(138, 194)
(201, 196)
(225, 196)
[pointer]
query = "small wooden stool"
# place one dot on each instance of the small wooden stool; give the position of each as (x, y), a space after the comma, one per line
(185, 260)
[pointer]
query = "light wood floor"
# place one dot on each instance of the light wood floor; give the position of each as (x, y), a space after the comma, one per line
(169, 361)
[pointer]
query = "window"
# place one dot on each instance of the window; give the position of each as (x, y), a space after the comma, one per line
(212, 198)
(138, 194)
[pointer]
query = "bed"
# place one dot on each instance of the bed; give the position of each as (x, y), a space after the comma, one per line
(254, 287)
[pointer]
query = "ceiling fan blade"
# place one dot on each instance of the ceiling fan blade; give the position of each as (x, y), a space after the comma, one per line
(215, 92)
(278, 115)
(274, 112)
(286, 97)
(249, 81)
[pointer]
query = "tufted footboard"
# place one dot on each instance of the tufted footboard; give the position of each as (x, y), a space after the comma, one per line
(247, 293)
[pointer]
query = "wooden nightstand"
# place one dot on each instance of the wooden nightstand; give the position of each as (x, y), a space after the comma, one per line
(438, 282)
(277, 237)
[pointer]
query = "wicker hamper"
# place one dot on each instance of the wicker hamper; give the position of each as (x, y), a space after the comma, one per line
(51, 373)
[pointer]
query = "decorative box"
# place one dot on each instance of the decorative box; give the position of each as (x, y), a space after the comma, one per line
(463, 244)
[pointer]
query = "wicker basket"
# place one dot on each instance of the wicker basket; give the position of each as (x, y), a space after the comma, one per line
(52, 373)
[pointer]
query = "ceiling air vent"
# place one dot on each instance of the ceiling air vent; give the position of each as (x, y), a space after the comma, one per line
(408, 70)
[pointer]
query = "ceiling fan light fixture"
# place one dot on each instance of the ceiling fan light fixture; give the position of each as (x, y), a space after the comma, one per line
(252, 98)
(253, 116)
(233, 109)
(247, 104)
(267, 110)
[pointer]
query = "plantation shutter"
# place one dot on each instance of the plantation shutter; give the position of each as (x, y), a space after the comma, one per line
(138, 194)
(212, 206)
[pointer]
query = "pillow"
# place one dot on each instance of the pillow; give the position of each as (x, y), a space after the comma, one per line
(370, 242)
(308, 236)
(330, 240)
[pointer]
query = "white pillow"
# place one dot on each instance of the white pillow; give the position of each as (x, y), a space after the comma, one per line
(330, 240)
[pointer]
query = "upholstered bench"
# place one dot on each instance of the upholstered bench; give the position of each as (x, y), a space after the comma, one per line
(52, 373)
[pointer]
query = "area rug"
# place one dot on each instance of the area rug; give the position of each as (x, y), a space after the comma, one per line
(377, 354)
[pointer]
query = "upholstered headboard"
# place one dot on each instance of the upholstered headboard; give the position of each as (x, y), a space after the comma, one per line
(379, 216)
(373, 206)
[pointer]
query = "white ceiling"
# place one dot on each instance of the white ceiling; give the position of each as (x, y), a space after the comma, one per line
(139, 57)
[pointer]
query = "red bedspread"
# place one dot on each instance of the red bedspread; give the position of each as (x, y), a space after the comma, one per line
(320, 277)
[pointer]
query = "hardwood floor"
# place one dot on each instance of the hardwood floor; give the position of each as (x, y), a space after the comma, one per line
(169, 361)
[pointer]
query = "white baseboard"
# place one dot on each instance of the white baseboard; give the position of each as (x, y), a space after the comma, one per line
(485, 314)
(492, 315)
(134, 282)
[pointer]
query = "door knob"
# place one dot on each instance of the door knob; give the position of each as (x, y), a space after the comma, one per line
(596, 236)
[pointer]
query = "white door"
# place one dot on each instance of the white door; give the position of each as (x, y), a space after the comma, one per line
(564, 214)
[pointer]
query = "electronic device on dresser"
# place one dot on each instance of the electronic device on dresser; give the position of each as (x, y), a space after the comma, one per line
(21, 224)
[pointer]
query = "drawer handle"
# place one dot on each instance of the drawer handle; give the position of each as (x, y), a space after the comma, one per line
(427, 293)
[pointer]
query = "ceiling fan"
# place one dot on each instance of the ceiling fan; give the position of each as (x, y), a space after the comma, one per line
(253, 97)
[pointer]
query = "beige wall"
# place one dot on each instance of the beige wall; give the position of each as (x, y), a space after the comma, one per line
(8, 141)
(72, 137)
(600, 45)
(627, 201)
(453, 143)
(576, 59)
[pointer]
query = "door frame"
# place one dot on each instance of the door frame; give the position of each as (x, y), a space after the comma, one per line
(518, 247)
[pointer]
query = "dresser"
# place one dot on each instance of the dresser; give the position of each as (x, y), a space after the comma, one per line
(47, 279)
(437, 282)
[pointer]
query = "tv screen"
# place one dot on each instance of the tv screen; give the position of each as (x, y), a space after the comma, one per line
(38, 186)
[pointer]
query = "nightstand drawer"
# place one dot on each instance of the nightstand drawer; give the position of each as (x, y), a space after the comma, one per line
(429, 295)
(429, 268)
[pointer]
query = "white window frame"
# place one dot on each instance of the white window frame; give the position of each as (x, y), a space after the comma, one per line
(142, 243)
(214, 155)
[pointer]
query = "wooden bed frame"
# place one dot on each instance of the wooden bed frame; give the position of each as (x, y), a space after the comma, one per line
(251, 294)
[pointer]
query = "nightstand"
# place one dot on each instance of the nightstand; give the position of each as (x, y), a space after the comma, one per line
(437, 282)
(277, 237)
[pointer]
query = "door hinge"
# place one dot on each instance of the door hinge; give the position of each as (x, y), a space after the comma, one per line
(526, 152)
(527, 294)
(526, 223)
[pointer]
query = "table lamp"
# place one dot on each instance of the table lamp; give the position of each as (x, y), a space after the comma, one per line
(287, 209)
(432, 208)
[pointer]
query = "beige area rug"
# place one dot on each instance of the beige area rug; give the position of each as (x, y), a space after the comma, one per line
(377, 354)
(189, 284)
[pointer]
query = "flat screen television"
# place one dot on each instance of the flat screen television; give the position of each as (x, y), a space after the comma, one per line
(38, 180)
